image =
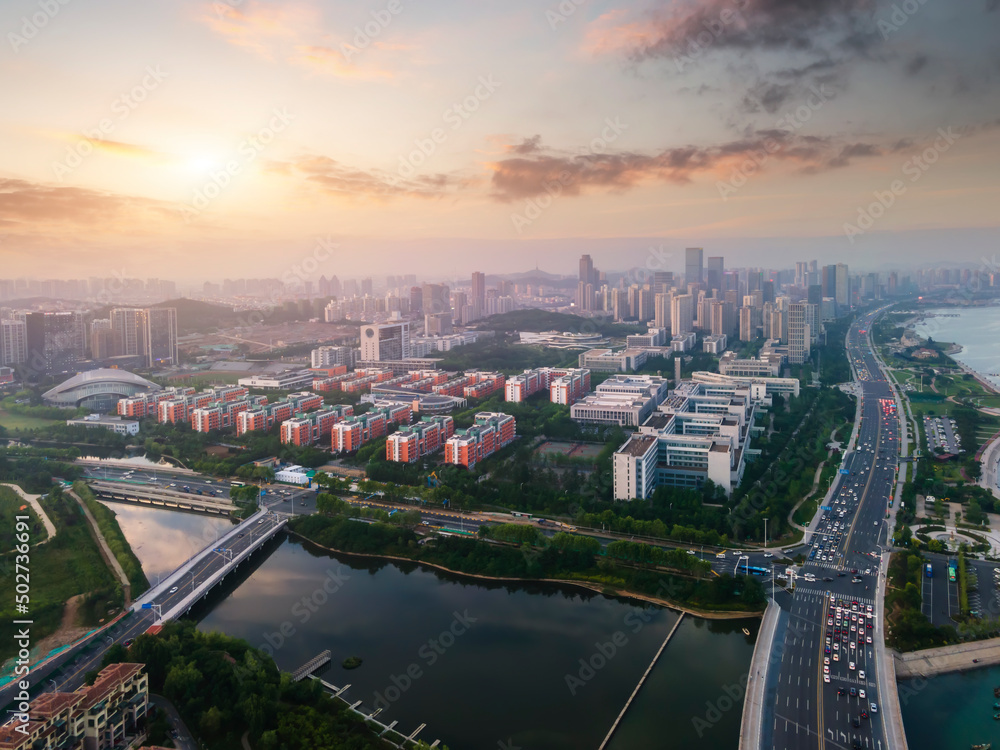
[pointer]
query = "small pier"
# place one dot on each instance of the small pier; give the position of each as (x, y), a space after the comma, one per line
(397, 739)
(311, 666)
(642, 679)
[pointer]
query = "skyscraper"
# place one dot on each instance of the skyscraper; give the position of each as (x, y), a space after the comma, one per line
(129, 329)
(160, 336)
(436, 299)
(715, 269)
(843, 287)
(693, 263)
(587, 275)
(681, 314)
(478, 300)
(55, 341)
(13, 342)
(799, 334)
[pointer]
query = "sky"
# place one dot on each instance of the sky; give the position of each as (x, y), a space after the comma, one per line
(194, 140)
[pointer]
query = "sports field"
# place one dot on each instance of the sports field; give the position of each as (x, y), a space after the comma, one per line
(574, 450)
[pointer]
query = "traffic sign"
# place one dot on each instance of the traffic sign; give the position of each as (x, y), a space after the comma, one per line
(825, 507)
(148, 605)
(845, 471)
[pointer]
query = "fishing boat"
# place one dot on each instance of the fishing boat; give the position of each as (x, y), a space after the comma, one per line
(983, 746)
(747, 632)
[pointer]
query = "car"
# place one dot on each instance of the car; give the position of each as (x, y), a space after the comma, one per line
(861, 693)
(836, 657)
(856, 722)
(768, 555)
(173, 590)
(873, 707)
(869, 639)
(875, 524)
(260, 521)
(854, 692)
(841, 690)
(128, 643)
(861, 674)
(851, 666)
(690, 551)
(829, 621)
(826, 669)
(826, 660)
(826, 678)
(864, 714)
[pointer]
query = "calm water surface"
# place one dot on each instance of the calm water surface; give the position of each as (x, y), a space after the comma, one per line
(480, 663)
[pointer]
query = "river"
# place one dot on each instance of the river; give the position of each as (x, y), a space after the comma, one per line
(483, 664)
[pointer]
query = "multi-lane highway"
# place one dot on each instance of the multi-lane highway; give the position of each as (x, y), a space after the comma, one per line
(824, 691)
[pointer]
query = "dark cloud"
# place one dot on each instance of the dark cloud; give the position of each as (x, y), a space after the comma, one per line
(804, 25)
(852, 151)
(527, 146)
(916, 64)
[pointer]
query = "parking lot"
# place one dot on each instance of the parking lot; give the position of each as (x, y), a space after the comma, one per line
(941, 434)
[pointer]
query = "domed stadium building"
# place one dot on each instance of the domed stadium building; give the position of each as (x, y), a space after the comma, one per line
(98, 390)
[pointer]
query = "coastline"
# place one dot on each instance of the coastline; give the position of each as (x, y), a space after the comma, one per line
(606, 590)
(957, 348)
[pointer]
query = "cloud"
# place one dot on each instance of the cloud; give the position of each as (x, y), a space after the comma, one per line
(335, 178)
(334, 62)
(691, 28)
(293, 32)
(30, 205)
(519, 177)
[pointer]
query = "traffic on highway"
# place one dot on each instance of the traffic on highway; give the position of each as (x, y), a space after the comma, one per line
(826, 691)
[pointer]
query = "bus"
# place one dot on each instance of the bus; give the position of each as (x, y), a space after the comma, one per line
(756, 571)
(928, 570)
(952, 570)
(237, 484)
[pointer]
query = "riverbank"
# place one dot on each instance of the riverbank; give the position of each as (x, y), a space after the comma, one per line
(600, 589)
(946, 659)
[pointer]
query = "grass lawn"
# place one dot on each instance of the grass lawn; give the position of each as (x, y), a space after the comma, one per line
(22, 422)
(68, 565)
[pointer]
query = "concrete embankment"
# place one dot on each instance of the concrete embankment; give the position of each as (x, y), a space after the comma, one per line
(957, 658)
(753, 700)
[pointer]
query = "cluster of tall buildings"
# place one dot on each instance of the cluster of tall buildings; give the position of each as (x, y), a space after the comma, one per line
(98, 290)
(58, 342)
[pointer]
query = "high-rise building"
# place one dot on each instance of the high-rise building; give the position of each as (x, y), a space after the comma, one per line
(436, 299)
(830, 281)
(385, 342)
(147, 332)
(681, 314)
(102, 339)
(843, 290)
(55, 341)
(661, 312)
(799, 335)
(747, 332)
(161, 336)
(693, 264)
(587, 275)
(714, 271)
(13, 342)
(367, 287)
(662, 281)
(478, 300)
(129, 329)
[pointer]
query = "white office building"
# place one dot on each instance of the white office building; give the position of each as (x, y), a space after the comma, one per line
(701, 432)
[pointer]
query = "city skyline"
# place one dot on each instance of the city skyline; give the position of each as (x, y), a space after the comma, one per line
(415, 137)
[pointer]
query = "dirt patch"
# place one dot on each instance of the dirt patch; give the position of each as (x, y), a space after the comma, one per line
(217, 450)
(68, 631)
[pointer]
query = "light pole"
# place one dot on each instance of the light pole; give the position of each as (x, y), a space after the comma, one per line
(765, 533)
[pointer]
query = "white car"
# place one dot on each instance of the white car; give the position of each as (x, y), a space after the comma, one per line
(173, 590)
(851, 666)
(861, 693)
(861, 674)
(874, 708)
(768, 555)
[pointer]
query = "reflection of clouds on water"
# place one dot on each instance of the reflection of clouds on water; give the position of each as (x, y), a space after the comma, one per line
(163, 539)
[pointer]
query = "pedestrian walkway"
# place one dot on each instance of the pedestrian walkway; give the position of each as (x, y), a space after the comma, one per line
(32, 500)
